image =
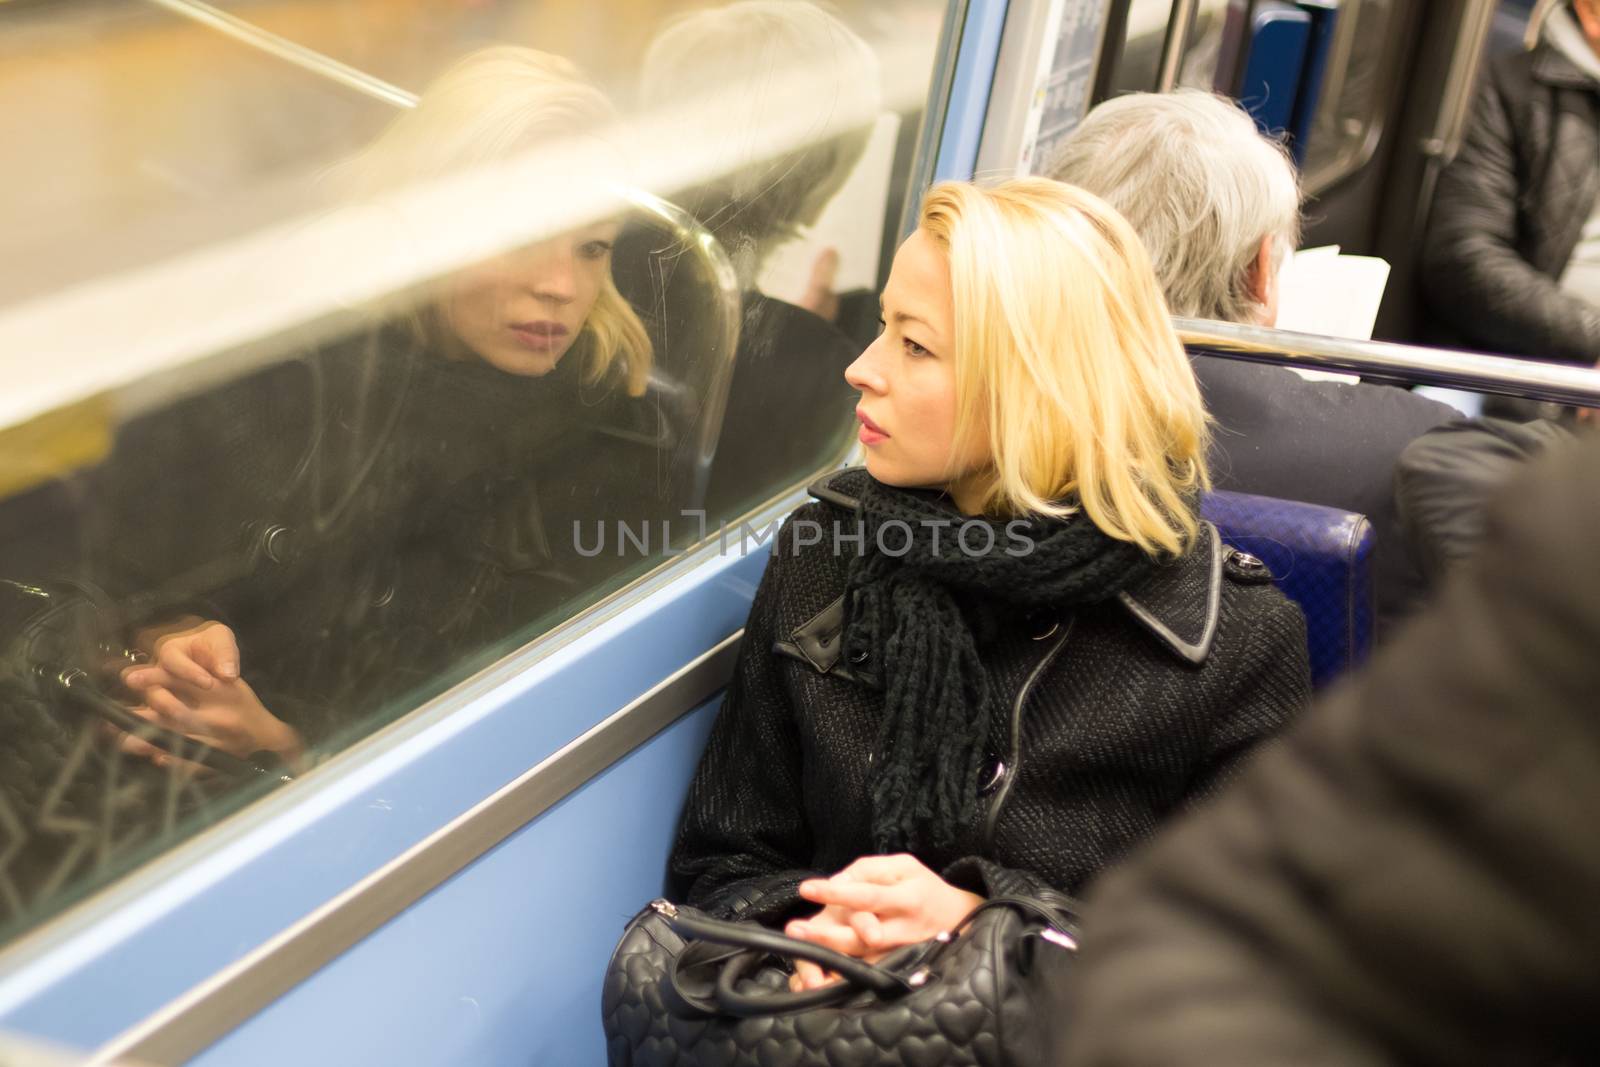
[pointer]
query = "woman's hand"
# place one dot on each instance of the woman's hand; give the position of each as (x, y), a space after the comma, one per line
(193, 686)
(830, 928)
(820, 298)
(193, 650)
(876, 905)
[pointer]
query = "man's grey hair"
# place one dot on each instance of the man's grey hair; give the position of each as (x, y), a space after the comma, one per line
(1200, 185)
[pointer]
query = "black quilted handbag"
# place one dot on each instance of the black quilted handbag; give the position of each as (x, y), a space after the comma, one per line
(685, 990)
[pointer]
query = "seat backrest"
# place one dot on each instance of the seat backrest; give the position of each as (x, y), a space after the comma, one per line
(1320, 557)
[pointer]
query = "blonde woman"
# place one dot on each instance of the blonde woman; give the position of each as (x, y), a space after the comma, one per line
(1003, 653)
(414, 527)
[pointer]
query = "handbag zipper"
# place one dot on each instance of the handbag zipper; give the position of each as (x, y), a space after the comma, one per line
(1014, 765)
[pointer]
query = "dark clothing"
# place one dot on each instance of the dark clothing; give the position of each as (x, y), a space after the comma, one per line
(1411, 875)
(1446, 478)
(469, 496)
(1136, 707)
(1327, 443)
(915, 619)
(1510, 208)
(788, 406)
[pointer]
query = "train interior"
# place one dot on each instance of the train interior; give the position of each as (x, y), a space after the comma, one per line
(497, 612)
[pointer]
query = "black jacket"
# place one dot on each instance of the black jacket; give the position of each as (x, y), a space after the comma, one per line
(1135, 708)
(1446, 478)
(1327, 443)
(1509, 210)
(1411, 874)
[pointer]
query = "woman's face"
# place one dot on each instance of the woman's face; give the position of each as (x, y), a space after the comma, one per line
(907, 379)
(521, 311)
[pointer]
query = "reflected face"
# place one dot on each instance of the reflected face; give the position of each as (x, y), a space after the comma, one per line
(522, 310)
(907, 378)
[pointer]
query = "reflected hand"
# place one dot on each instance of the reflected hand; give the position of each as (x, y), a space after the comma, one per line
(1591, 416)
(891, 901)
(228, 716)
(193, 687)
(196, 651)
(820, 298)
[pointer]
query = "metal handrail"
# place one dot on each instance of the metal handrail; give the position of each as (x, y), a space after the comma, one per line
(698, 242)
(290, 51)
(1412, 364)
(1175, 44)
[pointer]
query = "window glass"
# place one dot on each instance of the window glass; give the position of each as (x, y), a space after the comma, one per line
(1356, 88)
(1136, 64)
(353, 344)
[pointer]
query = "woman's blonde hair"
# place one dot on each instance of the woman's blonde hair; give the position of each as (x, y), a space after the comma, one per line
(491, 105)
(1065, 358)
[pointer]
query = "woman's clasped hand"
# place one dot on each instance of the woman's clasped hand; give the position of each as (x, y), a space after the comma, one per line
(874, 906)
(192, 686)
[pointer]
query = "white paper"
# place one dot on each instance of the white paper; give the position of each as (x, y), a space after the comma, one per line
(1323, 292)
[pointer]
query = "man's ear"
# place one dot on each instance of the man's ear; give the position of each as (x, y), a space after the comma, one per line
(1261, 282)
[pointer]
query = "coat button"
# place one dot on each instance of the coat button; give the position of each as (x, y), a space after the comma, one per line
(1247, 561)
(996, 776)
(860, 656)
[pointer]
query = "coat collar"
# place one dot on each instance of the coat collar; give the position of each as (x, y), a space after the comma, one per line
(1179, 604)
(1552, 68)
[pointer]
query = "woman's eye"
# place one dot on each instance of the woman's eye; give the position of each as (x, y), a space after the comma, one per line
(914, 349)
(595, 249)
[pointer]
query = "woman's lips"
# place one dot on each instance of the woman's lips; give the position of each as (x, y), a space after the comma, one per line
(871, 433)
(539, 336)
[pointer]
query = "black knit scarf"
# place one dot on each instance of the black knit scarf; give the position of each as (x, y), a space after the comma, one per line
(918, 616)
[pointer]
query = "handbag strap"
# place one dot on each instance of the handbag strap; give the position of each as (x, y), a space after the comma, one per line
(752, 1005)
(1058, 916)
(752, 936)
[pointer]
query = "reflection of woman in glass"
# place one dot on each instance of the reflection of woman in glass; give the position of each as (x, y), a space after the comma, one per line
(1033, 651)
(435, 423)
(733, 69)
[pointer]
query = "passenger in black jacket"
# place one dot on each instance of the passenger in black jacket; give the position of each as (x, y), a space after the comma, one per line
(1410, 876)
(1511, 208)
(1010, 707)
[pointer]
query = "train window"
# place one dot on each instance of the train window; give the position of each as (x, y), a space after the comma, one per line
(1355, 90)
(351, 346)
(1325, 64)
(1135, 65)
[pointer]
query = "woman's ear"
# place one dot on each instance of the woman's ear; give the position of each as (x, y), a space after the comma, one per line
(1261, 283)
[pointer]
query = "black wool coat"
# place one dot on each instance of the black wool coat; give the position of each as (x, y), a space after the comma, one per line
(1116, 715)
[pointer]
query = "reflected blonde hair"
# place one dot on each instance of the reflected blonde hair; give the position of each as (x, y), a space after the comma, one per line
(1067, 362)
(491, 105)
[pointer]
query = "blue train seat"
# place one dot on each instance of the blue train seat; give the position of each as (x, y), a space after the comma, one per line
(1320, 557)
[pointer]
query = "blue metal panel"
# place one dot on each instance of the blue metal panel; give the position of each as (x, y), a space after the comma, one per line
(1279, 36)
(503, 963)
(1324, 20)
(969, 89)
(324, 835)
